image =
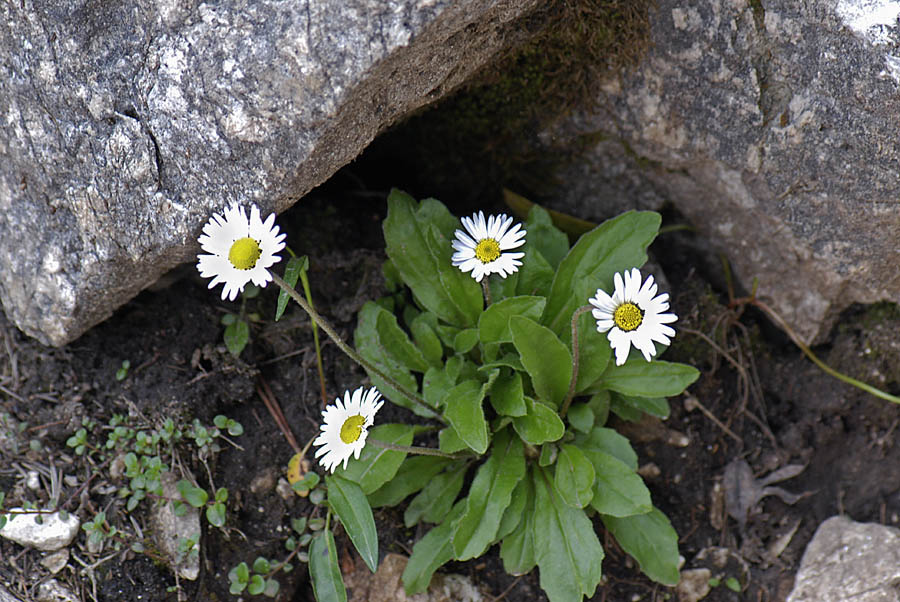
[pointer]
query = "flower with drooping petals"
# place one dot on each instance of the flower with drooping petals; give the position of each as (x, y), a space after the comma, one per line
(241, 249)
(345, 427)
(633, 315)
(483, 248)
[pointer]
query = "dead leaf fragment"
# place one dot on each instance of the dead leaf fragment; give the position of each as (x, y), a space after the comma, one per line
(743, 491)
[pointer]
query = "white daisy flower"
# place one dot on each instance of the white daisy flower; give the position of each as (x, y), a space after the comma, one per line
(241, 249)
(633, 315)
(346, 426)
(481, 249)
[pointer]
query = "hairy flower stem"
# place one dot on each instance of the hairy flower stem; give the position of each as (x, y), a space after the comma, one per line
(578, 313)
(347, 349)
(487, 292)
(423, 451)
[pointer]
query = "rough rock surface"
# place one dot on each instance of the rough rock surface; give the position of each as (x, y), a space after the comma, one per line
(123, 125)
(51, 534)
(773, 127)
(169, 529)
(847, 560)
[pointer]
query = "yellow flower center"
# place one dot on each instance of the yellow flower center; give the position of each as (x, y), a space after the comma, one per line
(628, 316)
(244, 253)
(487, 250)
(352, 429)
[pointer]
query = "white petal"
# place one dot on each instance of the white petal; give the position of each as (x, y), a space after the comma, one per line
(620, 343)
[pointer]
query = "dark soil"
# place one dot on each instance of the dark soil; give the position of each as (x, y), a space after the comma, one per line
(778, 409)
(789, 412)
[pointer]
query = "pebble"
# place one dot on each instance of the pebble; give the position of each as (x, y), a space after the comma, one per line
(33, 480)
(56, 561)
(694, 585)
(168, 529)
(54, 591)
(50, 535)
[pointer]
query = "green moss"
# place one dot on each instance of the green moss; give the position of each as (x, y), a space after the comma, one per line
(484, 136)
(878, 314)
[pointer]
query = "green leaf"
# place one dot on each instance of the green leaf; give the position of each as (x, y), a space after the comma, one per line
(624, 410)
(489, 495)
(221, 494)
(656, 406)
(510, 360)
(493, 325)
(594, 352)
(567, 550)
(552, 242)
(240, 573)
(370, 346)
(613, 246)
(262, 565)
(257, 585)
(535, 275)
(466, 415)
(609, 442)
(426, 338)
(396, 342)
(435, 386)
(512, 516)
(540, 424)
(237, 335)
(194, 496)
(517, 549)
(324, 571)
(430, 552)
(581, 417)
(349, 502)
(413, 475)
(640, 378)
(434, 501)
(599, 405)
(449, 441)
(272, 587)
(465, 340)
(651, 540)
(507, 394)
(618, 490)
(546, 359)
(215, 514)
(417, 239)
(292, 270)
(574, 478)
(376, 466)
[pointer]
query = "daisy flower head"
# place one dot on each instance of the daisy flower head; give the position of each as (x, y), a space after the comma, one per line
(483, 248)
(241, 249)
(633, 315)
(345, 426)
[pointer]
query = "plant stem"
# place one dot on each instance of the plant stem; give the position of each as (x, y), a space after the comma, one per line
(578, 313)
(808, 352)
(315, 330)
(422, 451)
(347, 349)
(487, 291)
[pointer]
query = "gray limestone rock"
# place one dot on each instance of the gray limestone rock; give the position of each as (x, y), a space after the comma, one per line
(50, 534)
(847, 560)
(123, 125)
(773, 127)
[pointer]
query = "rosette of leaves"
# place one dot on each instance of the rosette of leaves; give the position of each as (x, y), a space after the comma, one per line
(499, 377)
